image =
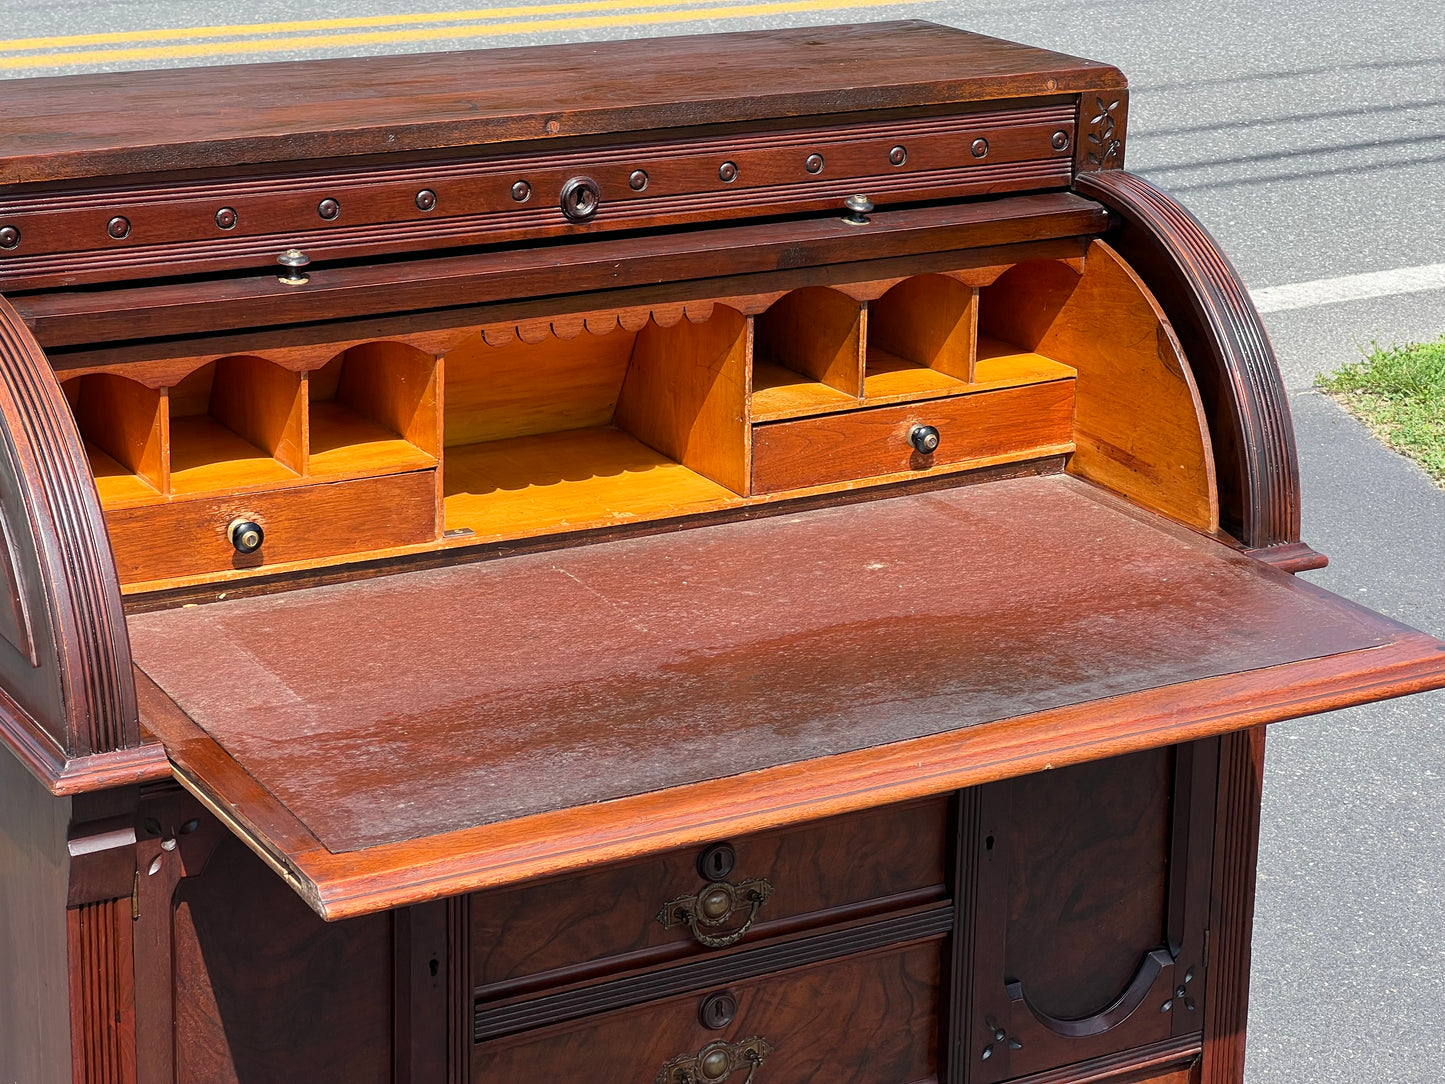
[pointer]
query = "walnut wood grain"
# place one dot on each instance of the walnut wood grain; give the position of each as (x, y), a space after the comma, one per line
(102, 982)
(264, 990)
(1236, 855)
(1172, 1061)
(35, 1032)
(1228, 349)
(576, 923)
(865, 1019)
(724, 968)
(66, 663)
(369, 290)
(1228, 643)
(1092, 906)
(333, 108)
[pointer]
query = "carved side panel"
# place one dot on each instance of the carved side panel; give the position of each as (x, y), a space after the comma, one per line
(1103, 120)
(64, 655)
(102, 993)
(1229, 352)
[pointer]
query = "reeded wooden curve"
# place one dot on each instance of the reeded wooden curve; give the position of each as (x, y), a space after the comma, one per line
(65, 661)
(1234, 364)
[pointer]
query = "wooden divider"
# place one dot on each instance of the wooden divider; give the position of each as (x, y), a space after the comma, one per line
(807, 354)
(920, 337)
(374, 409)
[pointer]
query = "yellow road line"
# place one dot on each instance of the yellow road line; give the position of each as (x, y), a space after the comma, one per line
(239, 30)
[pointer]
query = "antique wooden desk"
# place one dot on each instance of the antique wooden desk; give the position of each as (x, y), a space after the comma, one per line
(758, 559)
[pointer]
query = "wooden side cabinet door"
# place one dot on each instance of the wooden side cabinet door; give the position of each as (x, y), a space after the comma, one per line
(1088, 900)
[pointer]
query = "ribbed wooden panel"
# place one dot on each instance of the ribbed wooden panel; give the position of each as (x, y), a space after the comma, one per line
(1236, 850)
(102, 994)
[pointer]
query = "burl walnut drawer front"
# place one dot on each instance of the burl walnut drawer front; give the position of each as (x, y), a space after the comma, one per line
(664, 908)
(983, 426)
(865, 1019)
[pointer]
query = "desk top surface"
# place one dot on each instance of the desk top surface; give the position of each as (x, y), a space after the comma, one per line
(389, 710)
(222, 117)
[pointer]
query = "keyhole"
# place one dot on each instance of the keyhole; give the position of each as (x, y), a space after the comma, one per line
(716, 862)
(435, 966)
(988, 843)
(580, 198)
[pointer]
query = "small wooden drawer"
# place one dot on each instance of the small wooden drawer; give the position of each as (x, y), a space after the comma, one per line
(189, 537)
(985, 426)
(805, 876)
(871, 1018)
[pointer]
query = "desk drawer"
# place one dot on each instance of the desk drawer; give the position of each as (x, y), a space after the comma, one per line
(570, 929)
(980, 428)
(188, 537)
(865, 1019)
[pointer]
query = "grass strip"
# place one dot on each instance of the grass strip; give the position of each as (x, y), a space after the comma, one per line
(1399, 392)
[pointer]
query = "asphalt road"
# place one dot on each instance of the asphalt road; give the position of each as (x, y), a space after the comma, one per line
(1310, 137)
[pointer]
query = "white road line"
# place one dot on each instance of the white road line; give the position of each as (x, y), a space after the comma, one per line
(1306, 295)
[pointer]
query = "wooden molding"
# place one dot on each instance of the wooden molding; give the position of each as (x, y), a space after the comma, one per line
(1231, 920)
(1230, 354)
(66, 659)
(102, 993)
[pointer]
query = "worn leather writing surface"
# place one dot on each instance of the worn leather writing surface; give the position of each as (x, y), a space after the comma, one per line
(394, 708)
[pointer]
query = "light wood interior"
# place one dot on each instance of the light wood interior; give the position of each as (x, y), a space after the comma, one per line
(123, 425)
(558, 425)
(235, 424)
(561, 434)
(808, 354)
(920, 337)
(374, 410)
(1139, 424)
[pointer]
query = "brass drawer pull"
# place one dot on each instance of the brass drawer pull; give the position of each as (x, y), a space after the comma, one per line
(716, 1062)
(712, 907)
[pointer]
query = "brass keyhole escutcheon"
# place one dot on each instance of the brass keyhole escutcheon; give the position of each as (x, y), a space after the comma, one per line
(714, 908)
(580, 199)
(716, 1062)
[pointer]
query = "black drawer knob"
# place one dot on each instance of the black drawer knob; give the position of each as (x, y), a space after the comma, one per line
(924, 439)
(246, 535)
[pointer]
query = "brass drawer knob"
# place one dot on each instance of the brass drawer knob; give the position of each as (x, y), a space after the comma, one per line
(713, 907)
(924, 439)
(716, 1062)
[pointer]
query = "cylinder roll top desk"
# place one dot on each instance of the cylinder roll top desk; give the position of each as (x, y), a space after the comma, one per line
(755, 559)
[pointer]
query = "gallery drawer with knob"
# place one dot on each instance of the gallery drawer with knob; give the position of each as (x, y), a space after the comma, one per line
(202, 536)
(972, 429)
(868, 1018)
(695, 901)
